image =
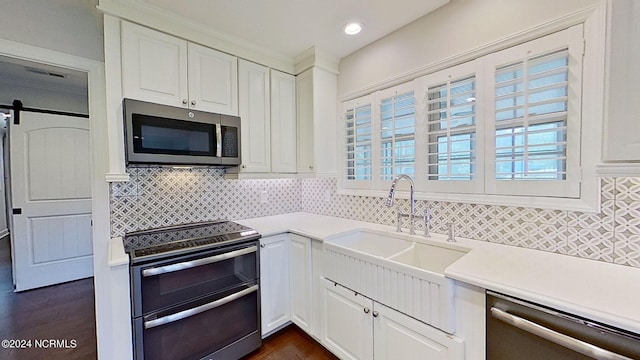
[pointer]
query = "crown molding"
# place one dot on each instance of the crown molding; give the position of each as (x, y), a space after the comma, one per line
(315, 57)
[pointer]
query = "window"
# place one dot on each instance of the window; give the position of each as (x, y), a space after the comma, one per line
(359, 142)
(397, 135)
(504, 124)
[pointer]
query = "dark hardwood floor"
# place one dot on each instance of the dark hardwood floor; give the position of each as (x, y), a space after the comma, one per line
(290, 343)
(60, 312)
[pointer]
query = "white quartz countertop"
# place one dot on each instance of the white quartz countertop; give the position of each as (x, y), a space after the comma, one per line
(596, 290)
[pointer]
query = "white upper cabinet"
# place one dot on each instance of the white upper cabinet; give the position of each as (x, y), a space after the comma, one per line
(304, 88)
(317, 138)
(160, 68)
(154, 66)
(213, 80)
(622, 113)
(283, 122)
(255, 113)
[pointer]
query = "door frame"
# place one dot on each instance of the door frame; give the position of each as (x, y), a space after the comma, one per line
(105, 332)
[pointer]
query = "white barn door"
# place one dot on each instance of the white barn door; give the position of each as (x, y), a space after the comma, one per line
(51, 199)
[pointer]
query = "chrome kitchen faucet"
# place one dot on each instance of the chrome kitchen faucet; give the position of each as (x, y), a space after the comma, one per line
(412, 212)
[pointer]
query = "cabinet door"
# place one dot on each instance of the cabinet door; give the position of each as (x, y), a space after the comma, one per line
(213, 80)
(255, 114)
(274, 282)
(154, 66)
(348, 328)
(304, 89)
(301, 282)
(621, 136)
(283, 122)
(398, 336)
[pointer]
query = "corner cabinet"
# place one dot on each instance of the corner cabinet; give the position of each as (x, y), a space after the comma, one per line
(283, 122)
(274, 282)
(161, 68)
(356, 327)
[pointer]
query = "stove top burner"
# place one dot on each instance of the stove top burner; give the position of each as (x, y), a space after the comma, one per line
(181, 239)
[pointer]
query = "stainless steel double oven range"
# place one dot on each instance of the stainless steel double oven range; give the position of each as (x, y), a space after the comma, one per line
(195, 291)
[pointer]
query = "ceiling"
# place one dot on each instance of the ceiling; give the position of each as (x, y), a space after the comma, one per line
(290, 27)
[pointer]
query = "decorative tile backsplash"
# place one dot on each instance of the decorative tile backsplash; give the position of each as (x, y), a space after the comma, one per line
(165, 196)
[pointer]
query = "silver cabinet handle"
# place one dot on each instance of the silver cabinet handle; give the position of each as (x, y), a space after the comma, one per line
(366, 310)
(184, 101)
(193, 102)
(218, 140)
(262, 245)
(199, 309)
(556, 337)
(375, 314)
(199, 262)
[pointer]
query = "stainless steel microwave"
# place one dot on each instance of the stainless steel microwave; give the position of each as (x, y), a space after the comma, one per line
(161, 134)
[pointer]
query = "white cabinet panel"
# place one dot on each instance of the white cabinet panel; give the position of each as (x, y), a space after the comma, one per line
(304, 89)
(348, 330)
(621, 136)
(255, 114)
(160, 68)
(274, 282)
(154, 66)
(397, 336)
(356, 327)
(213, 80)
(301, 283)
(283, 122)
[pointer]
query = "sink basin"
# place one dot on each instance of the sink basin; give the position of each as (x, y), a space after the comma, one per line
(428, 257)
(397, 270)
(372, 243)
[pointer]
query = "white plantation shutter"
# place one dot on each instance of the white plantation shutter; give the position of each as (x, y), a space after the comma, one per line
(396, 126)
(358, 165)
(450, 127)
(537, 132)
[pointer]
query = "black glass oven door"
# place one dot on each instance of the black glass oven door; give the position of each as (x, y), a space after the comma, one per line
(166, 283)
(221, 326)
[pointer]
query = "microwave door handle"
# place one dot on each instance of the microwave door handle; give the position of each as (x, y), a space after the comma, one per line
(218, 140)
(556, 337)
(199, 262)
(199, 309)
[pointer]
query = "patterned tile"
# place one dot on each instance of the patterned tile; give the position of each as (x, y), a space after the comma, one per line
(161, 196)
(590, 244)
(627, 189)
(627, 250)
(627, 217)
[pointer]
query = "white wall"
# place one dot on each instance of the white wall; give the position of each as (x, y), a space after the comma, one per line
(457, 27)
(44, 99)
(70, 26)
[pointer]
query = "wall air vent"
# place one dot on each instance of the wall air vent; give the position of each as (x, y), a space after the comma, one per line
(44, 72)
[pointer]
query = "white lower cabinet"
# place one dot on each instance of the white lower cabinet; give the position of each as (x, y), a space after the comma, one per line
(301, 282)
(356, 327)
(274, 282)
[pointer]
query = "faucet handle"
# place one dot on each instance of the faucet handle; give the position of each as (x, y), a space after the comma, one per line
(452, 231)
(427, 222)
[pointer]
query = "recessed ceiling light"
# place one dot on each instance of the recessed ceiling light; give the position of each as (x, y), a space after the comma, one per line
(352, 28)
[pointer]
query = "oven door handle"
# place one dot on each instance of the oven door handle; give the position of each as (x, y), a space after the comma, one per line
(556, 337)
(199, 309)
(198, 262)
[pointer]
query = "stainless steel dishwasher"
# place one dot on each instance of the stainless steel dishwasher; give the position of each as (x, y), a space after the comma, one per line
(521, 330)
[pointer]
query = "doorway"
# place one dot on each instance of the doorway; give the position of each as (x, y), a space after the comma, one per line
(48, 182)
